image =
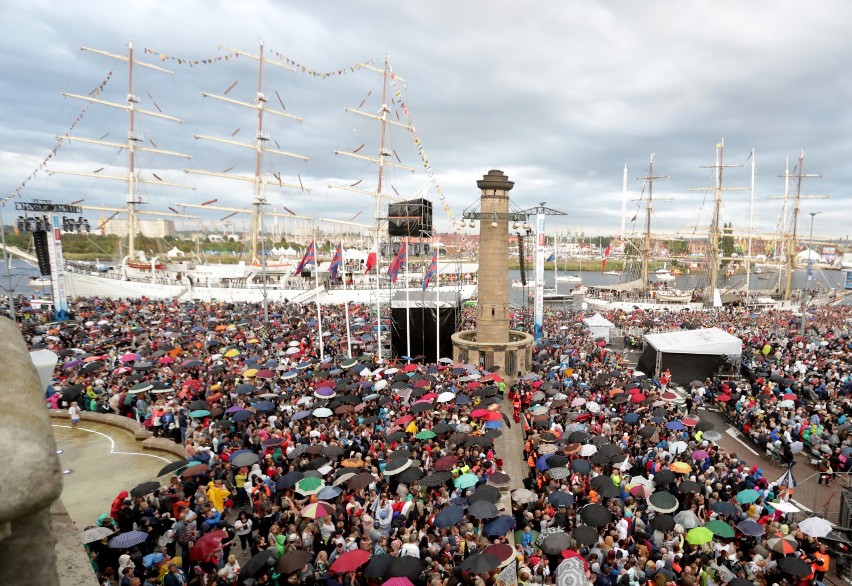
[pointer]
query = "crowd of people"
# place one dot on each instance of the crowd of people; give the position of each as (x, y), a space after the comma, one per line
(304, 465)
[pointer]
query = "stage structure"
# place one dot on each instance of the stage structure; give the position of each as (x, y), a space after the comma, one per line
(414, 319)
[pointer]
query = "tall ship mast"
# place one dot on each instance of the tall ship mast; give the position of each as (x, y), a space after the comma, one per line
(259, 146)
(133, 145)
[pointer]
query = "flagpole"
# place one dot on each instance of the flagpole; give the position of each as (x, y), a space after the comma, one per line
(407, 303)
(378, 300)
(345, 302)
(437, 301)
(316, 297)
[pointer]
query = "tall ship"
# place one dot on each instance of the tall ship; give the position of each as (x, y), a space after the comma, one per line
(260, 277)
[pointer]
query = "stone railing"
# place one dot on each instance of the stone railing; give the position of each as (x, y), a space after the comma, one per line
(31, 478)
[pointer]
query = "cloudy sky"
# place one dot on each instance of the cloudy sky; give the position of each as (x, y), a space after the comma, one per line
(558, 95)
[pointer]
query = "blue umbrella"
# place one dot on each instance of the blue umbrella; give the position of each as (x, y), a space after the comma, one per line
(245, 389)
(129, 539)
(541, 463)
(289, 480)
(241, 416)
(631, 418)
(675, 425)
(499, 526)
(448, 517)
(328, 493)
(560, 499)
(300, 415)
(495, 424)
(462, 399)
(265, 406)
(752, 528)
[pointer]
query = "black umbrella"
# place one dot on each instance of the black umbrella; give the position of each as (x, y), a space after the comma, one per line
(411, 474)
(581, 466)
(647, 431)
(585, 535)
(91, 367)
(406, 567)
(795, 566)
(610, 491)
(442, 428)
(579, 437)
(486, 493)
(483, 509)
(401, 454)
(478, 440)
(289, 480)
(332, 451)
(689, 487)
(316, 463)
(144, 488)
(244, 459)
(422, 407)
(663, 502)
(600, 481)
(595, 515)
(378, 566)
(199, 405)
(395, 436)
(294, 561)
(599, 441)
(663, 523)
(360, 480)
(265, 560)
(172, 467)
(479, 563)
(556, 460)
(435, 479)
(724, 508)
(704, 425)
(448, 517)
(554, 543)
(561, 499)
(664, 477)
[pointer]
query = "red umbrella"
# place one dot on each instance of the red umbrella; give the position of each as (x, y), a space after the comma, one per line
(479, 413)
(472, 385)
(207, 544)
(350, 561)
(409, 368)
(404, 419)
(689, 421)
(723, 398)
(445, 463)
(637, 397)
(492, 416)
(265, 373)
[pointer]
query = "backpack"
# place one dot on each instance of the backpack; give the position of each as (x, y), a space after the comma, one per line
(187, 536)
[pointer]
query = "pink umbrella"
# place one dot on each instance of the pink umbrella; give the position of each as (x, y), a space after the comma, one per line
(129, 357)
(399, 581)
(699, 455)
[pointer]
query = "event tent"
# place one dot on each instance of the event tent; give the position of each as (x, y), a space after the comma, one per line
(689, 354)
(599, 326)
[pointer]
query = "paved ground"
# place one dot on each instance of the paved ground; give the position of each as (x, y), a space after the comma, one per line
(509, 448)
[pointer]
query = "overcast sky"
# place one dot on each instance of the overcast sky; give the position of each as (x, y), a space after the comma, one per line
(558, 95)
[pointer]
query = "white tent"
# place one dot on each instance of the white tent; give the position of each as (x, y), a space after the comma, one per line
(599, 326)
(808, 254)
(689, 354)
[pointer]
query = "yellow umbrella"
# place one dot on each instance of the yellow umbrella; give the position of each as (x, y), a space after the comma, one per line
(254, 341)
(250, 372)
(231, 353)
(681, 467)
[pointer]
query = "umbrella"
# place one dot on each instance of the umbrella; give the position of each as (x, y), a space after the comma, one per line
(407, 566)
(595, 515)
(262, 561)
(398, 581)
(663, 523)
(795, 566)
(318, 510)
(486, 493)
(663, 502)
(199, 413)
(572, 571)
(699, 536)
(479, 563)
(289, 480)
(689, 487)
(172, 467)
(748, 495)
(207, 544)
(720, 529)
(448, 517)
(712, 436)
(466, 480)
(561, 499)
(585, 535)
(482, 509)
(309, 485)
(681, 468)
(784, 544)
(196, 470)
(786, 507)
(144, 488)
(678, 447)
(397, 465)
(95, 534)
(244, 459)
(295, 560)
(815, 527)
(523, 495)
(554, 543)
(350, 561)
(435, 479)
(724, 508)
(581, 466)
(499, 525)
(410, 475)
(379, 566)
(323, 412)
(687, 520)
(751, 528)
(128, 539)
(360, 480)
(502, 551)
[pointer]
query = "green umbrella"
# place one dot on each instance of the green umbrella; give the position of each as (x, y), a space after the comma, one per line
(720, 528)
(199, 413)
(466, 480)
(748, 495)
(309, 485)
(699, 536)
(425, 434)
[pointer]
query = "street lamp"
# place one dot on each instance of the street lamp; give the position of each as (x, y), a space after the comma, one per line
(810, 272)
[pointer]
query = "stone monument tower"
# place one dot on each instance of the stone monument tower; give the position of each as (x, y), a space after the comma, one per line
(493, 343)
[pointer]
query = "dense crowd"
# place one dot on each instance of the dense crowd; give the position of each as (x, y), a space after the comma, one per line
(348, 471)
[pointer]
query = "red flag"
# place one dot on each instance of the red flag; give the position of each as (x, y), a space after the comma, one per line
(605, 255)
(371, 259)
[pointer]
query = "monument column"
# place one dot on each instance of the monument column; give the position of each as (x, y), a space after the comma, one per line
(492, 311)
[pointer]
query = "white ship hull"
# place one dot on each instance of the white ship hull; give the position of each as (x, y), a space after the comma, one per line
(82, 284)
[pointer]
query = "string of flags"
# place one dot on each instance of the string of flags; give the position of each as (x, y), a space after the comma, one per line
(308, 71)
(190, 62)
(430, 173)
(95, 92)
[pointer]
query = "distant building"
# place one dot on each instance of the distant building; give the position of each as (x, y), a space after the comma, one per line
(148, 228)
